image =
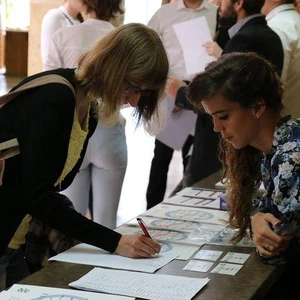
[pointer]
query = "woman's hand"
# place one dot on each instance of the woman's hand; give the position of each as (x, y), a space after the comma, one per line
(267, 242)
(137, 246)
(173, 85)
(213, 49)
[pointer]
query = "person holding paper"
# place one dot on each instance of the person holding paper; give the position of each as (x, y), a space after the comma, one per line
(178, 132)
(243, 94)
(250, 33)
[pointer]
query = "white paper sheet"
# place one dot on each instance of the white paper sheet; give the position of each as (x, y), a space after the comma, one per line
(208, 254)
(146, 286)
(226, 269)
(192, 35)
(235, 257)
(178, 127)
(201, 193)
(194, 201)
(28, 292)
(90, 255)
(162, 235)
(198, 266)
(211, 216)
(164, 223)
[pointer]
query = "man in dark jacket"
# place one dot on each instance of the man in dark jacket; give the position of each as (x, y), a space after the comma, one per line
(249, 34)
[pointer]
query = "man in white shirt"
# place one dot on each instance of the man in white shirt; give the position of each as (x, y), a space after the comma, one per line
(181, 122)
(285, 21)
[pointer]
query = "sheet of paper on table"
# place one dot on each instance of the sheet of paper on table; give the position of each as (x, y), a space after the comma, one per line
(201, 215)
(141, 285)
(90, 255)
(29, 292)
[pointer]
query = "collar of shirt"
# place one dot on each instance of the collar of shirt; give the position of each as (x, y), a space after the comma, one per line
(235, 28)
(71, 19)
(180, 5)
(279, 9)
(96, 23)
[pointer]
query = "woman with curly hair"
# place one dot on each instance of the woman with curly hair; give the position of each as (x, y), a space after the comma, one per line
(242, 93)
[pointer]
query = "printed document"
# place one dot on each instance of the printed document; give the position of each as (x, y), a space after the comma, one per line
(192, 35)
(141, 285)
(29, 292)
(90, 255)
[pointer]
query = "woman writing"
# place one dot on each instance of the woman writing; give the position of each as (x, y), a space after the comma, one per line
(53, 127)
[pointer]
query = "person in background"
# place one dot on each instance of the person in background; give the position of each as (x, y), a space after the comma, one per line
(249, 34)
(53, 127)
(242, 93)
(66, 15)
(104, 165)
(285, 21)
(162, 22)
(167, 1)
(297, 5)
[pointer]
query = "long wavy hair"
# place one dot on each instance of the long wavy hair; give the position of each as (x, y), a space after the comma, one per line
(243, 78)
(131, 52)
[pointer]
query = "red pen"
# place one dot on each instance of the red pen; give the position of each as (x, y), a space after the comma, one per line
(143, 227)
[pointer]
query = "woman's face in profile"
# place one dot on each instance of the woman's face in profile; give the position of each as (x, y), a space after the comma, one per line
(237, 125)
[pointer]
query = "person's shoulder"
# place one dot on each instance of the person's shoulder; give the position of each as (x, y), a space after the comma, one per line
(288, 131)
(68, 74)
(53, 15)
(167, 8)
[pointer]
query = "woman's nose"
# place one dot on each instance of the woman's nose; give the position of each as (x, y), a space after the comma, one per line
(217, 127)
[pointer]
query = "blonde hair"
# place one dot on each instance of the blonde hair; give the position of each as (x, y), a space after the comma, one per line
(133, 52)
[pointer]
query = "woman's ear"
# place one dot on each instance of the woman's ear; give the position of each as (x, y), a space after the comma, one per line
(259, 107)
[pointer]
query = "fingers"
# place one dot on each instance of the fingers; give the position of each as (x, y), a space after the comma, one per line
(271, 219)
(176, 110)
(137, 246)
(172, 86)
(267, 250)
(148, 247)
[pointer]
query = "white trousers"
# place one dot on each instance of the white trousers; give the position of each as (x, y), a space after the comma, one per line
(103, 169)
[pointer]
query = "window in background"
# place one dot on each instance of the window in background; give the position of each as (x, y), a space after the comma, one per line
(17, 14)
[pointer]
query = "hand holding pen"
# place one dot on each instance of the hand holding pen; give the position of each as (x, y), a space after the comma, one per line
(143, 227)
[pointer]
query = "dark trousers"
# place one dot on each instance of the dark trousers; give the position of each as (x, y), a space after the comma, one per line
(159, 170)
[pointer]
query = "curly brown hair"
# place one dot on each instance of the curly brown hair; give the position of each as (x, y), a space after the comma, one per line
(244, 78)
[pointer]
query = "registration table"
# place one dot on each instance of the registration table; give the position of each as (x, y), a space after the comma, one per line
(252, 281)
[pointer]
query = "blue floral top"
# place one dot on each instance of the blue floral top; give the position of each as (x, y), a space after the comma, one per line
(281, 178)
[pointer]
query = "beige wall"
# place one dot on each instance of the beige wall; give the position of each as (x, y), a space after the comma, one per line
(38, 8)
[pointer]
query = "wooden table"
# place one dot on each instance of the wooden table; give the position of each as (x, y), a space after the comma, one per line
(253, 281)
